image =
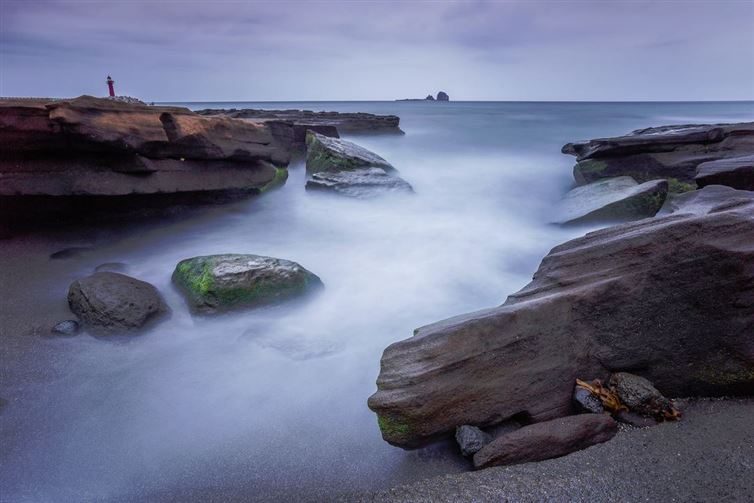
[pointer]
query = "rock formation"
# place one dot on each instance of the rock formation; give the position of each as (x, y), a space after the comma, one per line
(443, 96)
(670, 152)
(326, 123)
(222, 282)
(668, 298)
(736, 172)
(108, 302)
(346, 168)
(612, 200)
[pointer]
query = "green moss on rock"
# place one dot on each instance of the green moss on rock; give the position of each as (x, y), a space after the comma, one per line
(278, 180)
(222, 282)
(676, 186)
(392, 428)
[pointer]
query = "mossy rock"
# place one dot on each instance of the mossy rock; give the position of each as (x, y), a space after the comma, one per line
(333, 155)
(223, 282)
(278, 180)
(393, 430)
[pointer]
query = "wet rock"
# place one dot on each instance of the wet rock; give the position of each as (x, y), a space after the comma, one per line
(671, 152)
(222, 282)
(112, 267)
(587, 400)
(671, 295)
(359, 183)
(443, 96)
(110, 302)
(66, 327)
(549, 439)
(711, 199)
(430, 98)
(471, 439)
(638, 394)
(736, 172)
(349, 169)
(66, 253)
(612, 200)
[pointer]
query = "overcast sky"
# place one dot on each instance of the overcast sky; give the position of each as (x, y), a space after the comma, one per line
(374, 50)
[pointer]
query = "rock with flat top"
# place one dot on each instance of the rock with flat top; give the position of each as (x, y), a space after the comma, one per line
(736, 172)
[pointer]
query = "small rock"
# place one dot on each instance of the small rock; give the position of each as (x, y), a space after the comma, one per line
(587, 400)
(71, 252)
(66, 327)
(471, 439)
(549, 439)
(638, 394)
(108, 301)
(112, 267)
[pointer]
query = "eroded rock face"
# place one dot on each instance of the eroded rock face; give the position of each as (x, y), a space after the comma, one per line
(736, 172)
(671, 152)
(222, 282)
(110, 302)
(549, 439)
(349, 169)
(612, 200)
(669, 298)
(99, 147)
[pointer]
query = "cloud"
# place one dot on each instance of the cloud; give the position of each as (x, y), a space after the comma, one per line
(267, 50)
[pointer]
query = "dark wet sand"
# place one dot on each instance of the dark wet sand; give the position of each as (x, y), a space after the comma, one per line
(708, 456)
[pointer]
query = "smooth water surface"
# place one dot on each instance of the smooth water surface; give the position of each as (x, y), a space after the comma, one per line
(271, 403)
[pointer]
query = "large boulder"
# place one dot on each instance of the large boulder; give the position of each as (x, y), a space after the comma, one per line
(112, 302)
(671, 152)
(669, 298)
(222, 282)
(349, 169)
(612, 200)
(736, 172)
(549, 439)
(443, 96)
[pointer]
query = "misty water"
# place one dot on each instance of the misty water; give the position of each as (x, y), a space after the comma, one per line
(271, 403)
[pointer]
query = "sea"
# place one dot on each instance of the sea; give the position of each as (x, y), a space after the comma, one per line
(271, 404)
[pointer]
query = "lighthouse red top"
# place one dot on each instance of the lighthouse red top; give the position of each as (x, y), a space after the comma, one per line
(111, 86)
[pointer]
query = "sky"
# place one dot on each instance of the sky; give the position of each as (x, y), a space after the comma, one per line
(190, 50)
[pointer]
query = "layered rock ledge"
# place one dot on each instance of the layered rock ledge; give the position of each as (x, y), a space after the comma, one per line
(670, 152)
(321, 122)
(668, 298)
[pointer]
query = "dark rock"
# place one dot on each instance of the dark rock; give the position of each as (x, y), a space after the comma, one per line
(71, 252)
(471, 439)
(326, 123)
(672, 296)
(66, 327)
(108, 302)
(634, 419)
(638, 394)
(443, 96)
(736, 172)
(712, 199)
(671, 152)
(549, 439)
(222, 282)
(347, 168)
(587, 400)
(612, 200)
(430, 98)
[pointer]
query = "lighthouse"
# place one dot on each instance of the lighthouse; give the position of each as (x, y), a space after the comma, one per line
(111, 86)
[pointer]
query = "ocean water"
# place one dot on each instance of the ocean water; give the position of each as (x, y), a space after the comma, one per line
(270, 404)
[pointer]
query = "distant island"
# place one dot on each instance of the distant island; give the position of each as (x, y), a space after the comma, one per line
(441, 96)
